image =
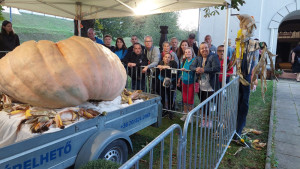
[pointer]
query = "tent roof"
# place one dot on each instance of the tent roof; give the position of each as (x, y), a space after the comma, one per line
(93, 9)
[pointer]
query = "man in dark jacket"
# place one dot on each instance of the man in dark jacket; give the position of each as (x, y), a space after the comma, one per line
(134, 61)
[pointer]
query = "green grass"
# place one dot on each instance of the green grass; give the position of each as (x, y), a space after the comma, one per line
(100, 164)
(39, 27)
(274, 160)
(258, 118)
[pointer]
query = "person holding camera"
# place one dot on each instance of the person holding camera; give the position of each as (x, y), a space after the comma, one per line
(167, 81)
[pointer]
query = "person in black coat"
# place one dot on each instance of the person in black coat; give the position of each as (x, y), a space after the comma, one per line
(8, 39)
(134, 61)
(296, 61)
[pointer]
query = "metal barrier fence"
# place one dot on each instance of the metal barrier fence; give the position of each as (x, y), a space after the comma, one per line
(134, 161)
(206, 135)
(177, 95)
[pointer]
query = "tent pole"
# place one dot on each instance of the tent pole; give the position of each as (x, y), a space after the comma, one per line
(199, 21)
(79, 28)
(226, 45)
(78, 16)
(10, 16)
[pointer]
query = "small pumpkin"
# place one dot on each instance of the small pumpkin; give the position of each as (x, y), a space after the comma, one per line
(62, 74)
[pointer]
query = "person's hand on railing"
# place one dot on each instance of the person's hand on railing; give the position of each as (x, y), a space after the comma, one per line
(183, 69)
(161, 67)
(145, 69)
(131, 64)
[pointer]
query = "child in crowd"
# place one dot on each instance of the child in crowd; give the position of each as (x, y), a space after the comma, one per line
(188, 81)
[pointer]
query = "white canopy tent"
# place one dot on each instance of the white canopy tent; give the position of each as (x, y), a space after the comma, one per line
(94, 9)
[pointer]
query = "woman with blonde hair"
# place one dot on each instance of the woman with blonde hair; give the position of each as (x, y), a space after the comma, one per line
(188, 81)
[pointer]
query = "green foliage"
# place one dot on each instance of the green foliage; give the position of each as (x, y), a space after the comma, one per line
(278, 72)
(100, 164)
(138, 25)
(141, 26)
(213, 11)
(1, 16)
(117, 27)
(235, 4)
(153, 23)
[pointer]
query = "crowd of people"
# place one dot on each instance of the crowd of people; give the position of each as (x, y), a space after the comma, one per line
(194, 67)
(188, 68)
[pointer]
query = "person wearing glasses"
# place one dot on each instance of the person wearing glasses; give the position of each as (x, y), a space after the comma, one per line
(153, 56)
(206, 65)
(220, 52)
(151, 52)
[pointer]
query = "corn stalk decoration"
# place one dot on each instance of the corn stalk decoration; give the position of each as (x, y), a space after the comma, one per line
(248, 46)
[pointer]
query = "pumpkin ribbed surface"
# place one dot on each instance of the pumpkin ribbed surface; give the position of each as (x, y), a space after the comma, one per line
(62, 74)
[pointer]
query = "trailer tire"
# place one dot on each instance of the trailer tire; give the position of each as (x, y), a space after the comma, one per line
(116, 151)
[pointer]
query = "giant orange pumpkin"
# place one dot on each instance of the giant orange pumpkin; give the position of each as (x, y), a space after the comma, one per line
(66, 73)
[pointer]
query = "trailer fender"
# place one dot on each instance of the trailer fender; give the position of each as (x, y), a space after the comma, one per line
(93, 147)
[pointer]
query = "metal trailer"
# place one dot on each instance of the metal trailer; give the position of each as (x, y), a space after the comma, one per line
(102, 137)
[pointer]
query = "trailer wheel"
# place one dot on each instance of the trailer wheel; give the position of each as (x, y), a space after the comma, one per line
(116, 151)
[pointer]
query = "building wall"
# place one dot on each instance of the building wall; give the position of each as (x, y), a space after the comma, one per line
(268, 15)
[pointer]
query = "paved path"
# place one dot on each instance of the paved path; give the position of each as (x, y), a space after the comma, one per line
(287, 133)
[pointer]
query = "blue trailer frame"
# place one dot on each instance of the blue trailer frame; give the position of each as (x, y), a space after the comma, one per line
(83, 141)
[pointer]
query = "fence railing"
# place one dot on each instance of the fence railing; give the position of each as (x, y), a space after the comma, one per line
(180, 91)
(206, 135)
(134, 161)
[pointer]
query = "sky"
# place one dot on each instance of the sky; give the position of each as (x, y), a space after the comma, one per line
(188, 19)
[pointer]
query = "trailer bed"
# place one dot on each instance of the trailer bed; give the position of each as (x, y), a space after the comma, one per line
(60, 149)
